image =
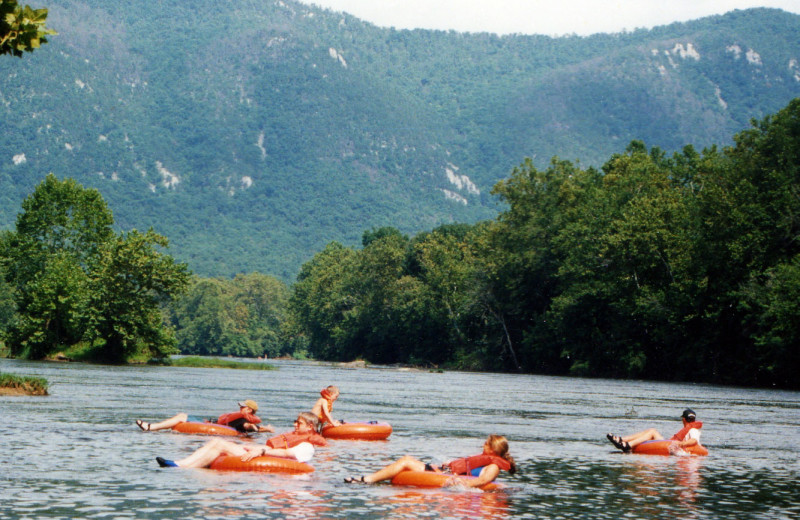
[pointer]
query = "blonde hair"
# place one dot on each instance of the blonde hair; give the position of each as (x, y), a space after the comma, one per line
(499, 445)
(310, 418)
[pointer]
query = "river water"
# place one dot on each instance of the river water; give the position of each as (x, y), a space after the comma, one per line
(78, 454)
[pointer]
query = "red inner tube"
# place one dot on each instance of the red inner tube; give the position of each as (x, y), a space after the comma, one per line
(365, 431)
(431, 479)
(662, 448)
(266, 464)
(204, 428)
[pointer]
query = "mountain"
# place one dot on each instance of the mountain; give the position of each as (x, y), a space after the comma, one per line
(251, 133)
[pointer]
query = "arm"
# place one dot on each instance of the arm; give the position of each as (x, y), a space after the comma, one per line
(321, 408)
(488, 474)
(260, 452)
(328, 416)
(692, 439)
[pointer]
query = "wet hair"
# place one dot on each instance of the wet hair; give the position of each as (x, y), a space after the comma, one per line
(499, 445)
(310, 418)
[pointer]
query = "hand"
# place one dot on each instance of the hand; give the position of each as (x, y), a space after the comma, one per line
(454, 481)
(251, 454)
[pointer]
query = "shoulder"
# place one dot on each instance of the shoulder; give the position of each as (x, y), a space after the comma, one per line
(317, 439)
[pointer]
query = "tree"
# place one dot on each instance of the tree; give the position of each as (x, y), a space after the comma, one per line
(61, 226)
(266, 300)
(75, 281)
(129, 280)
(7, 305)
(22, 29)
(323, 305)
(245, 316)
(202, 318)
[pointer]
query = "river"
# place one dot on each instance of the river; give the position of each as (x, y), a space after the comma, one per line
(78, 454)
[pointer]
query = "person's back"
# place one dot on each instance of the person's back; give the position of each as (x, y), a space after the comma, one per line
(324, 405)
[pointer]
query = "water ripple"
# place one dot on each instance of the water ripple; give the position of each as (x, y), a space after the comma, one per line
(77, 453)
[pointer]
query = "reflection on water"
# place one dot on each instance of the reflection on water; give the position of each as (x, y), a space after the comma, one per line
(78, 454)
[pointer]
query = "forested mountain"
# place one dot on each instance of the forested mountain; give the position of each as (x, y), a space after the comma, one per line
(252, 133)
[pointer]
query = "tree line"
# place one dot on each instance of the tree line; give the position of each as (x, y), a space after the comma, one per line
(682, 267)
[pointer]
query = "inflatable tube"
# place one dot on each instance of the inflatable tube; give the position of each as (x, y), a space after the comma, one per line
(364, 431)
(265, 464)
(662, 448)
(430, 479)
(204, 428)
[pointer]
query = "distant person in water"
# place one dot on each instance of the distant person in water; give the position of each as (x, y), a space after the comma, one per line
(322, 408)
(245, 420)
(297, 444)
(485, 467)
(688, 436)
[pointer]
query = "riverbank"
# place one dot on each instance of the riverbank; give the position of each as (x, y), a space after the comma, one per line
(214, 362)
(22, 385)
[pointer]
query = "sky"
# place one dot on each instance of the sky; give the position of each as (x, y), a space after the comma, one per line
(548, 17)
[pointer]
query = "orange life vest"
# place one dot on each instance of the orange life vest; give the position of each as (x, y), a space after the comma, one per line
(292, 439)
(228, 418)
(467, 465)
(682, 433)
(329, 398)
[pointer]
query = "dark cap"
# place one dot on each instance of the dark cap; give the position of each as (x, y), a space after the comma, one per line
(689, 415)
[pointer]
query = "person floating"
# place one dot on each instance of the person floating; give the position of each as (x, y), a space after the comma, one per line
(485, 467)
(245, 420)
(297, 444)
(688, 436)
(322, 408)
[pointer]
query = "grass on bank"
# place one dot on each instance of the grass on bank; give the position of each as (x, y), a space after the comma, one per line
(23, 384)
(212, 362)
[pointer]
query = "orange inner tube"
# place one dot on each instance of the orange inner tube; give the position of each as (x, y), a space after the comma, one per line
(204, 428)
(430, 479)
(662, 448)
(364, 431)
(265, 464)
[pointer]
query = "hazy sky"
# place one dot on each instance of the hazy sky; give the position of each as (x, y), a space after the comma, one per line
(549, 17)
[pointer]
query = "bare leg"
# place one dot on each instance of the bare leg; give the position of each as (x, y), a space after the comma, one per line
(637, 438)
(206, 454)
(169, 423)
(406, 463)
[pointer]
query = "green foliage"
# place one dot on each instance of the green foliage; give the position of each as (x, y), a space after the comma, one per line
(680, 268)
(323, 304)
(243, 317)
(22, 29)
(7, 305)
(76, 282)
(205, 362)
(130, 278)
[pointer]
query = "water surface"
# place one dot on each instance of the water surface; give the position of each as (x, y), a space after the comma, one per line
(78, 454)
